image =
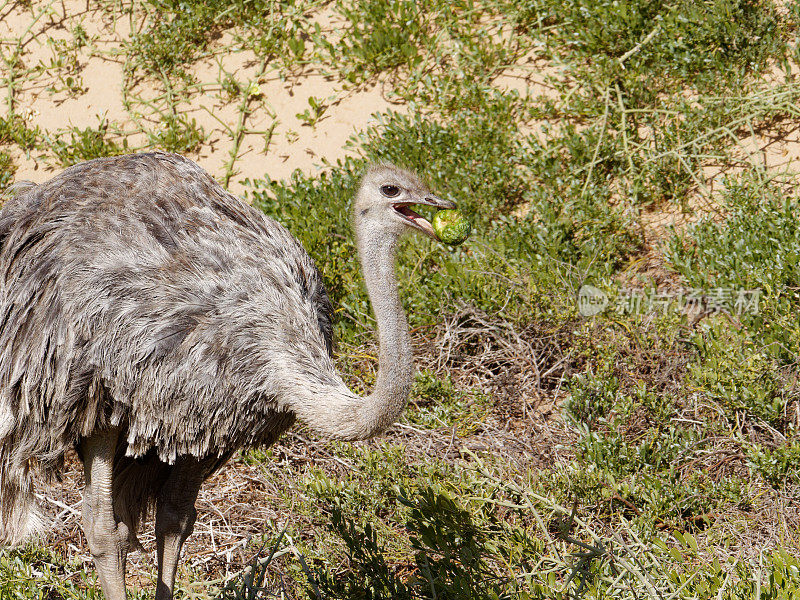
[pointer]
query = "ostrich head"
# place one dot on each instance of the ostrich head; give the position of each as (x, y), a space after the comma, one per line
(383, 204)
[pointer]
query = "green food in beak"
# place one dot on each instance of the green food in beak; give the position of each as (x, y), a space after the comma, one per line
(451, 227)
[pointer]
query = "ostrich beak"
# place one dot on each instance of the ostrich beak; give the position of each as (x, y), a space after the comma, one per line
(418, 221)
(439, 203)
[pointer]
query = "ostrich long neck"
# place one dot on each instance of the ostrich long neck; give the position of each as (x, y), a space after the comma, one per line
(395, 366)
(332, 410)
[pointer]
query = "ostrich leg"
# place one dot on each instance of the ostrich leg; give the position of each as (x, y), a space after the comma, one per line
(107, 536)
(175, 515)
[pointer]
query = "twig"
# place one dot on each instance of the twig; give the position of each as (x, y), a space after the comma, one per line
(638, 47)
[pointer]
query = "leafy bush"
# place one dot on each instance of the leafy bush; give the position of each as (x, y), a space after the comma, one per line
(732, 372)
(699, 43)
(777, 465)
(76, 144)
(14, 130)
(378, 36)
(177, 134)
(182, 30)
(7, 169)
(453, 556)
(757, 245)
(591, 396)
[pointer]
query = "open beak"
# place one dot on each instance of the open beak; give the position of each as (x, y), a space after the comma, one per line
(418, 221)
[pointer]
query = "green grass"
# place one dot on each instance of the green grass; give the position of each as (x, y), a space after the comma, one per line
(178, 33)
(379, 36)
(756, 246)
(7, 169)
(76, 145)
(670, 435)
(178, 134)
(647, 46)
(34, 573)
(14, 130)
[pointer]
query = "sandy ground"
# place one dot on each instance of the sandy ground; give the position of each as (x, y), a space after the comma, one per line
(775, 152)
(274, 141)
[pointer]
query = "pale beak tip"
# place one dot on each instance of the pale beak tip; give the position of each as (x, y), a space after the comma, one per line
(440, 203)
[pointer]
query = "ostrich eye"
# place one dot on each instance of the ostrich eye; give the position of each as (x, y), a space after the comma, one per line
(390, 191)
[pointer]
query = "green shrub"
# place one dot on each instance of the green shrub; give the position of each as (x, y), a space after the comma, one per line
(14, 130)
(733, 373)
(179, 31)
(378, 36)
(779, 465)
(699, 43)
(76, 145)
(756, 246)
(7, 169)
(177, 134)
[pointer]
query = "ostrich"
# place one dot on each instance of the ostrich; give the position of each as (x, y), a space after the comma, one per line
(157, 324)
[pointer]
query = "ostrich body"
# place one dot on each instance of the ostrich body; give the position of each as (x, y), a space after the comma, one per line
(158, 324)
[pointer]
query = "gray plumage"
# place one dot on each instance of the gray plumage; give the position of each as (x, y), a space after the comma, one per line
(140, 298)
